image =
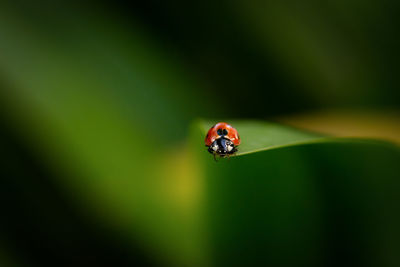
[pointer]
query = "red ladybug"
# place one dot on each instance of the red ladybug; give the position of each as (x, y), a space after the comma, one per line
(222, 140)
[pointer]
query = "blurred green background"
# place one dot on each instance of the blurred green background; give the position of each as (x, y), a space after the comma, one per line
(103, 160)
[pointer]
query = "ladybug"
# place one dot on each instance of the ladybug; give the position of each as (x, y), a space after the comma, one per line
(222, 140)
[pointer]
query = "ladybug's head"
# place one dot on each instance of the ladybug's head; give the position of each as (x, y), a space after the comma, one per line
(222, 146)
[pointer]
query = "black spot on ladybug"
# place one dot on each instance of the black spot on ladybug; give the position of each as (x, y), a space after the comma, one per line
(222, 132)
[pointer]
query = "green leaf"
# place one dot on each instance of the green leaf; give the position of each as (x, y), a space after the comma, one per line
(258, 136)
(275, 207)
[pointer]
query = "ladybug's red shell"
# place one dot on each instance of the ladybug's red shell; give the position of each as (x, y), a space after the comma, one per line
(232, 133)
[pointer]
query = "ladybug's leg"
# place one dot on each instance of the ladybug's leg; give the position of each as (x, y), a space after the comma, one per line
(215, 158)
